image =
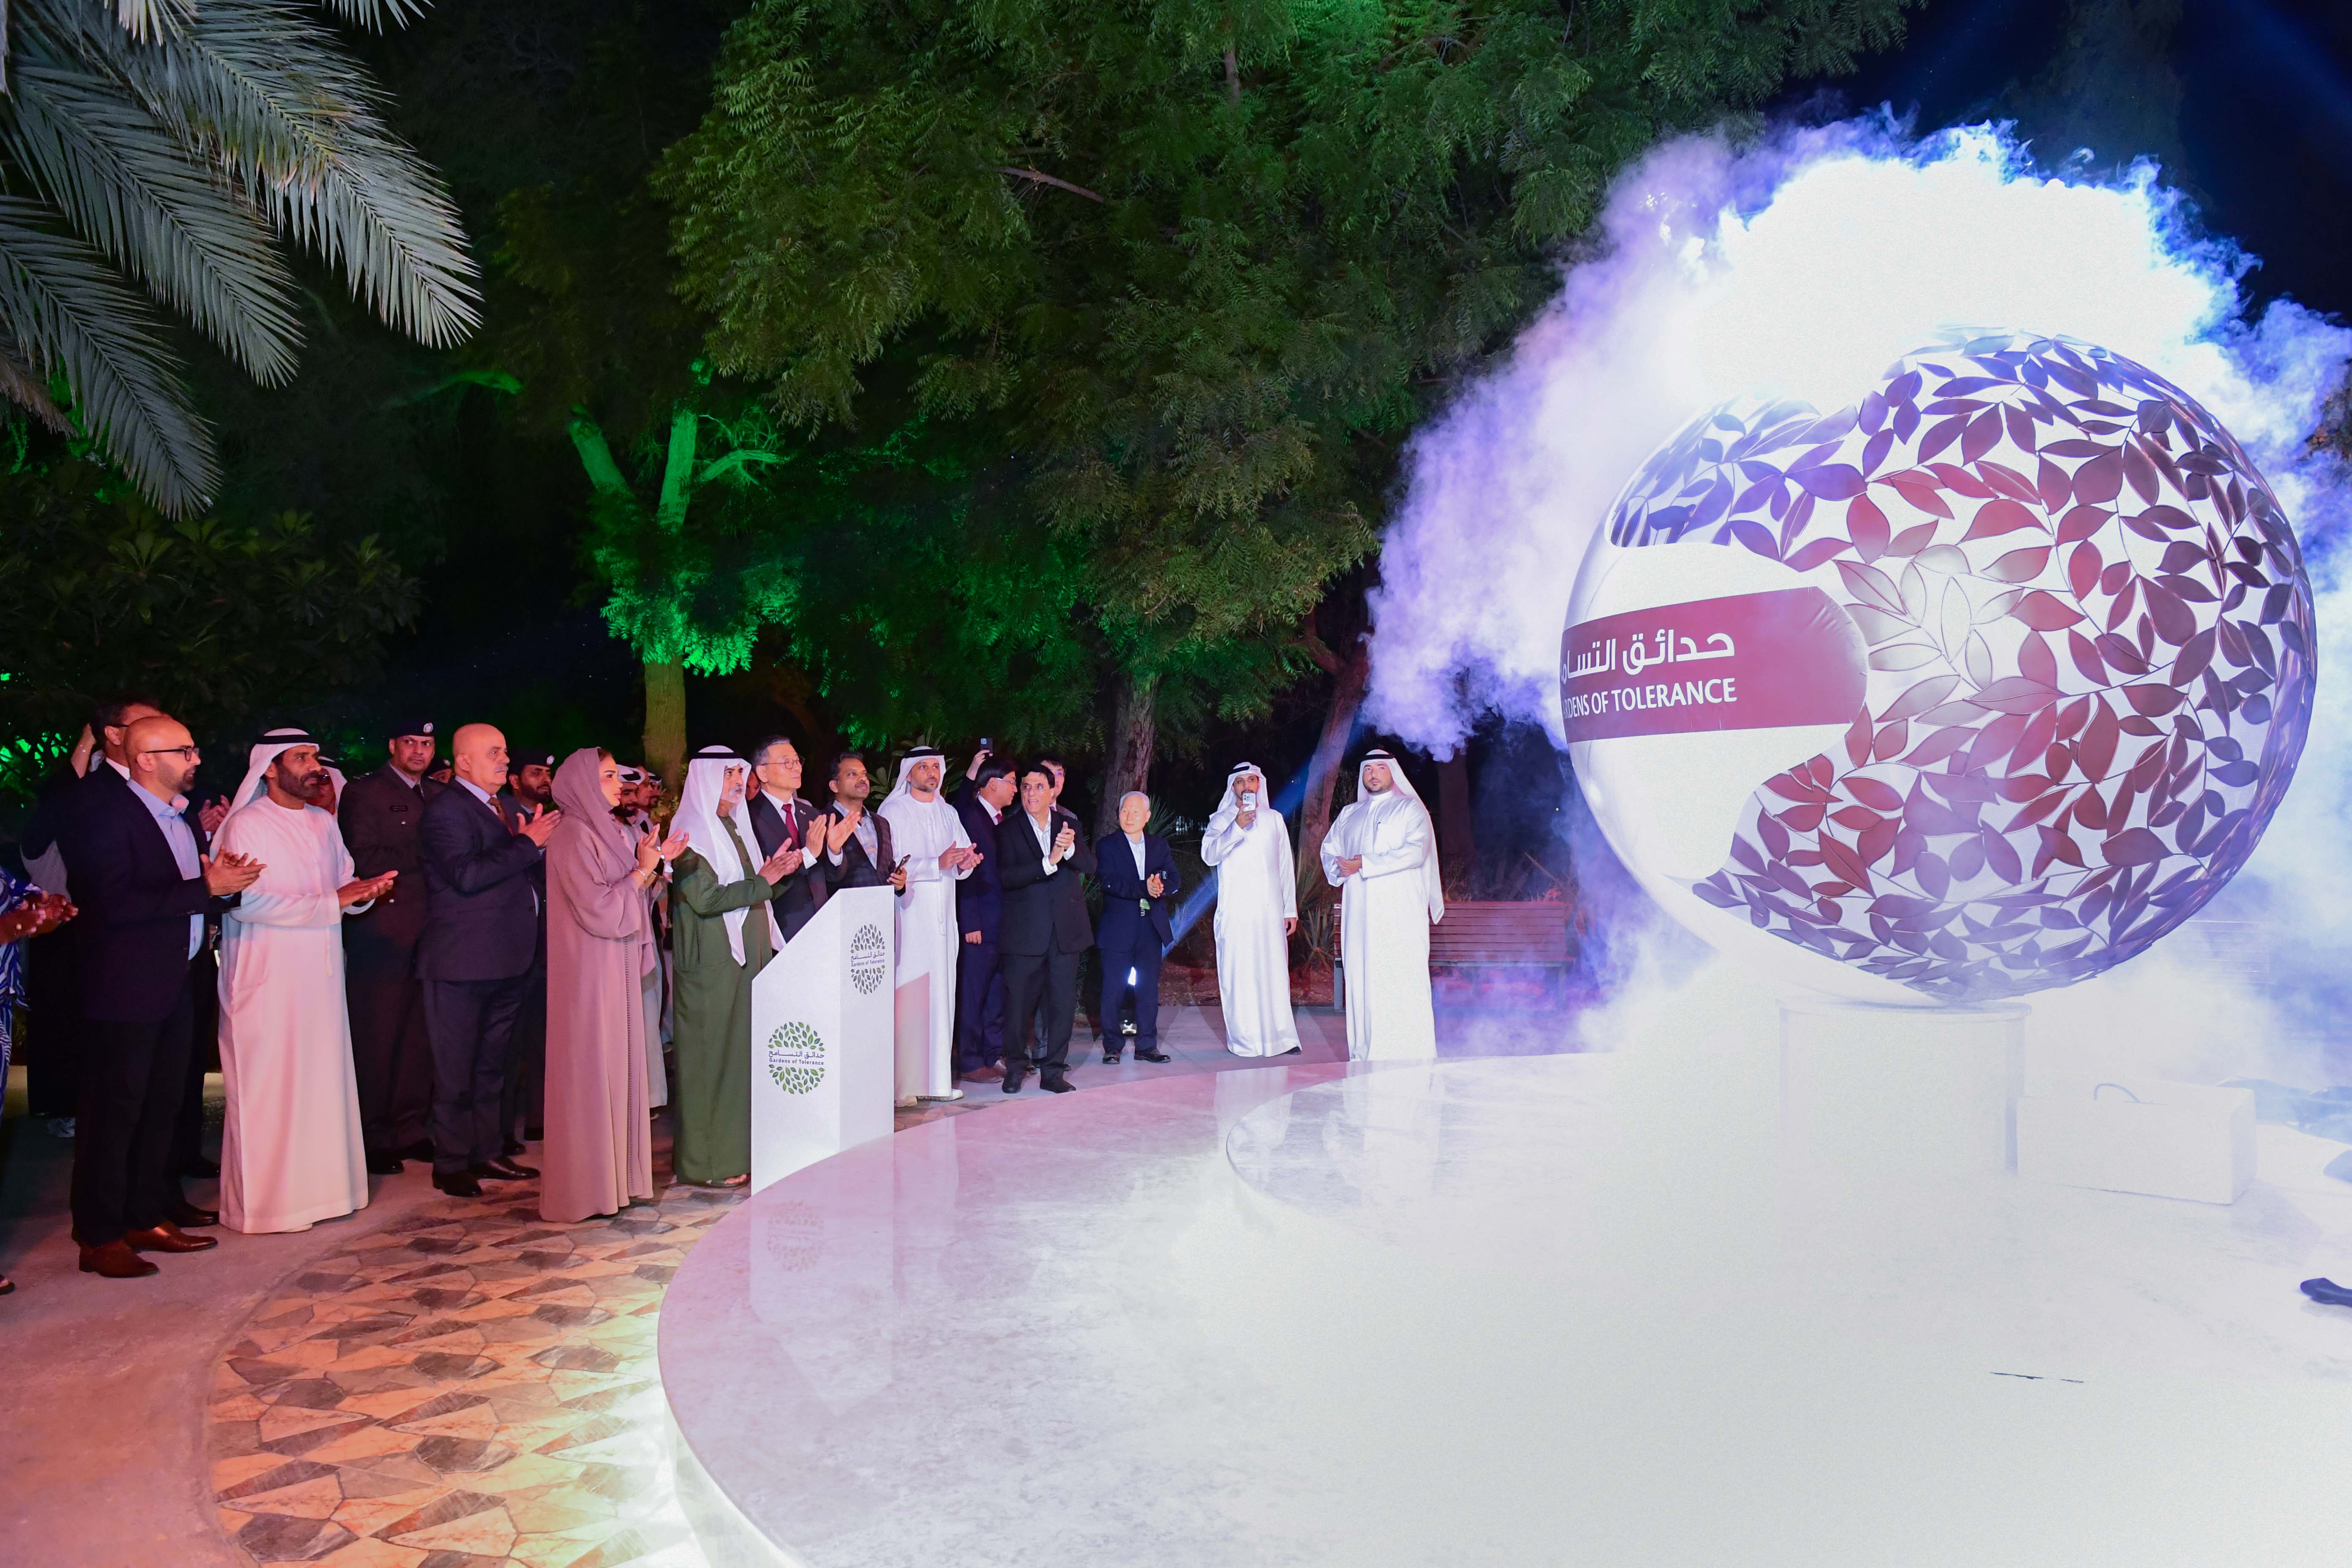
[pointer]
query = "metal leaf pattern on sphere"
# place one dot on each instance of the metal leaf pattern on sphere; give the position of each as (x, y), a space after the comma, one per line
(2088, 636)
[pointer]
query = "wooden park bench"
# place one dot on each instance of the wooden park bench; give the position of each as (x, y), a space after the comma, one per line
(1498, 951)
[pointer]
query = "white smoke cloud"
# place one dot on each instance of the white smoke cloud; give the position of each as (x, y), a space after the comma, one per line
(1805, 264)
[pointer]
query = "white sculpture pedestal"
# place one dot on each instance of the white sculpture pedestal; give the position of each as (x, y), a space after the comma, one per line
(1888, 1093)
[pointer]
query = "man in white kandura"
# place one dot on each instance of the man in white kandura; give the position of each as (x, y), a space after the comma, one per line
(1383, 856)
(291, 1154)
(935, 853)
(1257, 908)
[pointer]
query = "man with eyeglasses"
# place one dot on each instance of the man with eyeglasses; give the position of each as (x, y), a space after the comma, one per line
(143, 884)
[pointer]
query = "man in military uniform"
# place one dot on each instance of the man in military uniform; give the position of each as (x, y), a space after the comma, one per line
(390, 1051)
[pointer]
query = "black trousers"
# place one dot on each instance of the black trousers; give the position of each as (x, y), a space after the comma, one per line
(53, 1016)
(1145, 961)
(980, 1005)
(127, 1130)
(392, 1054)
(1031, 979)
(524, 1104)
(203, 1051)
(471, 1022)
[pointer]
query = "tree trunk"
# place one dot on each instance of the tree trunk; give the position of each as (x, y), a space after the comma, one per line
(666, 721)
(1323, 771)
(1457, 850)
(1132, 736)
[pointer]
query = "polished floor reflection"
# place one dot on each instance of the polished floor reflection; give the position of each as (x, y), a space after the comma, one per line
(1500, 1313)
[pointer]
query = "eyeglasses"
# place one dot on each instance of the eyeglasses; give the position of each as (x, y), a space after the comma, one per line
(192, 754)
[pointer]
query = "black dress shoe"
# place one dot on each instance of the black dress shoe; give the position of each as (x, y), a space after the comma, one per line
(420, 1149)
(201, 1168)
(168, 1237)
(2327, 1293)
(504, 1170)
(188, 1216)
(1012, 1084)
(380, 1163)
(1055, 1085)
(1291, 1052)
(1111, 1058)
(1153, 1054)
(458, 1185)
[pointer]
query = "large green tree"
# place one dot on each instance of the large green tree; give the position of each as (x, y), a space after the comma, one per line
(1203, 262)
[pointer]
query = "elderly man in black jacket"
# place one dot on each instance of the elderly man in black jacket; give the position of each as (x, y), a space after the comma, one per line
(143, 886)
(481, 936)
(1041, 856)
(1140, 884)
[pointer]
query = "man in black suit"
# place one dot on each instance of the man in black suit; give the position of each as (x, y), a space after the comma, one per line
(1041, 857)
(1138, 873)
(781, 820)
(979, 910)
(392, 1054)
(480, 937)
(530, 787)
(144, 886)
(858, 852)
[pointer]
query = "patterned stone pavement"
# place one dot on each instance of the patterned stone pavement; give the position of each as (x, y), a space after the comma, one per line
(470, 1388)
(467, 1387)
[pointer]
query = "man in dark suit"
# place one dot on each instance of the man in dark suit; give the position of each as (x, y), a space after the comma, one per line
(1041, 857)
(781, 820)
(980, 909)
(391, 1053)
(480, 937)
(1138, 873)
(144, 886)
(530, 787)
(857, 848)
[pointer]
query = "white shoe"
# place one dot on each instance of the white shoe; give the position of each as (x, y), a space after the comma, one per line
(951, 1094)
(906, 1104)
(61, 1126)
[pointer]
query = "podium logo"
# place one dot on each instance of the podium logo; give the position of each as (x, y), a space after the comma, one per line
(796, 1058)
(866, 955)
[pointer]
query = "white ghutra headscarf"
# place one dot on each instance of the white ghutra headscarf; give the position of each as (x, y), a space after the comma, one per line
(903, 785)
(1229, 810)
(1355, 828)
(273, 744)
(705, 832)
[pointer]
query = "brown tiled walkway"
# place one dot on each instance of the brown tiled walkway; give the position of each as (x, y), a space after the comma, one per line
(463, 1388)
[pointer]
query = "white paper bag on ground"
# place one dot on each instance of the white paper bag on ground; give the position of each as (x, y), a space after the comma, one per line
(2138, 1135)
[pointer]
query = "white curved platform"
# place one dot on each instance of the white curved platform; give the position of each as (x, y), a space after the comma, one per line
(1535, 1310)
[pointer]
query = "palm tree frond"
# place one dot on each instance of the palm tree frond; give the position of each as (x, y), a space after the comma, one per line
(148, 20)
(70, 313)
(130, 189)
(294, 122)
(375, 13)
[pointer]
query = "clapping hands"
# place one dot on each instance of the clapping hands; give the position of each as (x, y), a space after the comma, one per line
(539, 825)
(36, 916)
(229, 873)
(838, 831)
(365, 889)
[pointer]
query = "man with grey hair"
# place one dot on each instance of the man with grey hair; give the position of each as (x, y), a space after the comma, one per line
(1140, 884)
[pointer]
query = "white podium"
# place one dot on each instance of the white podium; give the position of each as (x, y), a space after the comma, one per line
(822, 1026)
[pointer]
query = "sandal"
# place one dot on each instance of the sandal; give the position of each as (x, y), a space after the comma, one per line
(734, 1181)
(7, 1286)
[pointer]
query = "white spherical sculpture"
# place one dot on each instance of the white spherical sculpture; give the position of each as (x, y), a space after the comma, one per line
(1975, 687)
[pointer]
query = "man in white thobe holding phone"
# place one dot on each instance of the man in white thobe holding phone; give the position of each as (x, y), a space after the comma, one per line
(1248, 844)
(934, 854)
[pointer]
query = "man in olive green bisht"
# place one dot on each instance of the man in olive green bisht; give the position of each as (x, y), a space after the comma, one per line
(721, 936)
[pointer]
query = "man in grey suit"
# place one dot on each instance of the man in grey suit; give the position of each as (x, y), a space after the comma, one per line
(481, 936)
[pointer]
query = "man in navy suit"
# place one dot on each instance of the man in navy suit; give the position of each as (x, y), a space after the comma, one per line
(1041, 857)
(781, 820)
(481, 936)
(980, 803)
(1138, 879)
(144, 886)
